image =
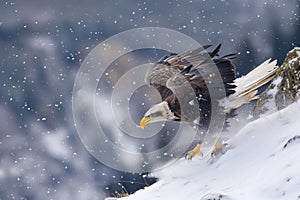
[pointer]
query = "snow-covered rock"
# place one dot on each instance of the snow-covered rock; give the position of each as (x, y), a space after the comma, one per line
(263, 162)
(284, 90)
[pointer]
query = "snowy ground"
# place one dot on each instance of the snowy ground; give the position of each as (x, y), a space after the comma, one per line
(262, 163)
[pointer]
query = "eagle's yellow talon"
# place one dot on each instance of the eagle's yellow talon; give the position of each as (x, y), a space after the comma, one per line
(194, 152)
(219, 148)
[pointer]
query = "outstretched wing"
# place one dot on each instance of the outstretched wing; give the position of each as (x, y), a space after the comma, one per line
(172, 64)
(193, 65)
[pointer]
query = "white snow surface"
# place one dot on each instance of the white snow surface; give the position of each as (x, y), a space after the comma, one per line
(256, 166)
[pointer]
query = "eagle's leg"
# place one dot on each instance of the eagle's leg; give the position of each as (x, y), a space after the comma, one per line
(194, 152)
(220, 148)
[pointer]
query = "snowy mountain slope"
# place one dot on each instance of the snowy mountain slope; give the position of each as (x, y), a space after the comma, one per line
(263, 162)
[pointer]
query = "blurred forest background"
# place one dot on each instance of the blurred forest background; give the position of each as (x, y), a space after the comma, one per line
(42, 45)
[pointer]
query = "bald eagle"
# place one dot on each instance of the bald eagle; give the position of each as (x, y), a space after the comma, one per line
(194, 67)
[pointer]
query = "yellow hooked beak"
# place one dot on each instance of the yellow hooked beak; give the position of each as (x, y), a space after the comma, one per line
(145, 121)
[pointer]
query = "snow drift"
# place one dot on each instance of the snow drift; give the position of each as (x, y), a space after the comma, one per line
(263, 162)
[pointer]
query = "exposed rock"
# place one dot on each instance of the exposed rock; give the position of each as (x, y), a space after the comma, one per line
(291, 140)
(216, 196)
(284, 90)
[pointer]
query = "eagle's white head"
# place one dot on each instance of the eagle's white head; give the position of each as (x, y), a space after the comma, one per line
(158, 112)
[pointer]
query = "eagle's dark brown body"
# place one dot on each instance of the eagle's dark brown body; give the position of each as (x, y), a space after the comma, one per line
(192, 66)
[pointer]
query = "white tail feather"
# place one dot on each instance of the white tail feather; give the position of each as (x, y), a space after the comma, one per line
(246, 86)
